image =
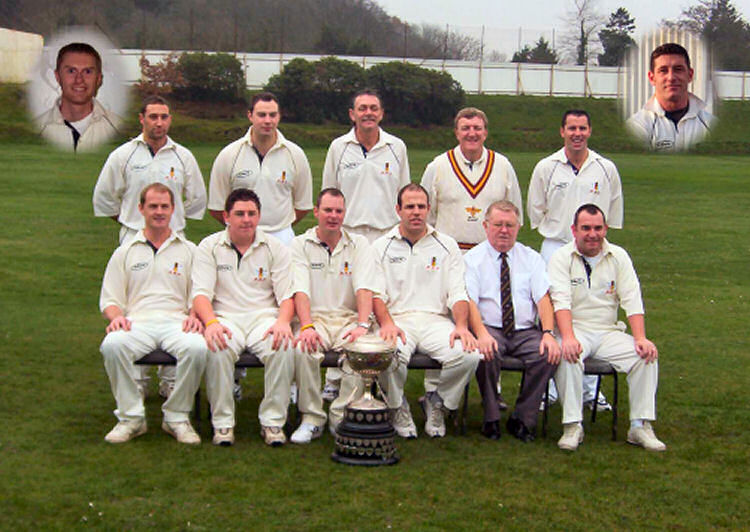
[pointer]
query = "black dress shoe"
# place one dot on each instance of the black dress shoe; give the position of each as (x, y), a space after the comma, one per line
(501, 404)
(517, 428)
(491, 430)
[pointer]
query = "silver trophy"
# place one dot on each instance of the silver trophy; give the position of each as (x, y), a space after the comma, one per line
(366, 435)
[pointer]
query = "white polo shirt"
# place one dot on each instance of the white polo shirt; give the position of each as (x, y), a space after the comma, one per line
(556, 192)
(103, 126)
(427, 276)
(594, 302)
(528, 283)
(282, 180)
(651, 126)
(237, 285)
(149, 284)
(460, 191)
(331, 280)
(131, 167)
(370, 181)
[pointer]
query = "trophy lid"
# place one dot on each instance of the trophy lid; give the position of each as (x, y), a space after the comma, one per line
(370, 343)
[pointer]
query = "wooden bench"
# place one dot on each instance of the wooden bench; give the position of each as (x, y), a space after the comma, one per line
(159, 357)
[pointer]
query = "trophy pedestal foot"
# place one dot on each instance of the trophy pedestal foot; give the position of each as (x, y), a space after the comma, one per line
(366, 437)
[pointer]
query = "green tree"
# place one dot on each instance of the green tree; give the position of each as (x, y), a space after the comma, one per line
(727, 33)
(541, 53)
(615, 37)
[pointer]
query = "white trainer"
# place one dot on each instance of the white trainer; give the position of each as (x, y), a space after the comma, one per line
(330, 391)
(305, 433)
(403, 423)
(434, 425)
(571, 438)
(644, 437)
(166, 388)
(126, 431)
(182, 431)
(224, 437)
(273, 436)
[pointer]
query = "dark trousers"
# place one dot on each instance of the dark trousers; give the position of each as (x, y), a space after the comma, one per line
(524, 345)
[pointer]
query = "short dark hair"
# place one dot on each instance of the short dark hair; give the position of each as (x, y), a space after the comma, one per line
(263, 97)
(575, 112)
(79, 48)
(590, 208)
(669, 48)
(366, 92)
(157, 187)
(330, 191)
(153, 100)
(412, 187)
(241, 194)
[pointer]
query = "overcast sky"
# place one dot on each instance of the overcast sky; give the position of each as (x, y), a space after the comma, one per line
(503, 18)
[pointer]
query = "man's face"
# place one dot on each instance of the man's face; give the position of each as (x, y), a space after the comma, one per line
(367, 112)
(78, 77)
(670, 78)
(155, 121)
(589, 233)
(576, 133)
(413, 211)
(330, 214)
(157, 209)
(471, 134)
(265, 118)
(242, 220)
(502, 229)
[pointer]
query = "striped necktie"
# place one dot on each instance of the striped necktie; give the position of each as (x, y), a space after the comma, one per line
(509, 322)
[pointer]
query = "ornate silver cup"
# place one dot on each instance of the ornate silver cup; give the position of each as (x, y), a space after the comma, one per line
(365, 435)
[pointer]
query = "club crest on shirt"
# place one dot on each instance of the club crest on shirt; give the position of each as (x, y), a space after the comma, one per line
(611, 288)
(433, 265)
(282, 177)
(224, 267)
(261, 274)
(171, 176)
(595, 188)
(138, 266)
(176, 269)
(386, 169)
(345, 269)
(472, 213)
(577, 281)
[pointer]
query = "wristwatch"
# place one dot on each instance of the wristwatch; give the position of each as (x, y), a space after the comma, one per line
(548, 331)
(364, 324)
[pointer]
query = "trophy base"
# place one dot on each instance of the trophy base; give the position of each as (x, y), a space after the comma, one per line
(365, 437)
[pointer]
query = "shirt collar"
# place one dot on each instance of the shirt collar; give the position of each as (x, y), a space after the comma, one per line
(280, 139)
(460, 156)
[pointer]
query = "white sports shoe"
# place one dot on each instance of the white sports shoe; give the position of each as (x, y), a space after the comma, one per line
(166, 388)
(305, 433)
(403, 423)
(434, 425)
(182, 431)
(126, 431)
(644, 437)
(273, 436)
(330, 391)
(571, 438)
(224, 437)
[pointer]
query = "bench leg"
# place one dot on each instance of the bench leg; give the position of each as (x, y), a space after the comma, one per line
(596, 398)
(614, 408)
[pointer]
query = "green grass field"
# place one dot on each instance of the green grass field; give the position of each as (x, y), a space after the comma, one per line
(686, 227)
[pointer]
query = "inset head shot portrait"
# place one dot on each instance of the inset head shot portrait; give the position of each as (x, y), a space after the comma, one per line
(668, 93)
(76, 94)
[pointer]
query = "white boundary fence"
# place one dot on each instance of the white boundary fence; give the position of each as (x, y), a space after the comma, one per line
(476, 77)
